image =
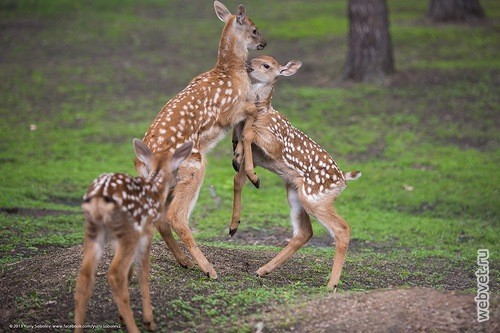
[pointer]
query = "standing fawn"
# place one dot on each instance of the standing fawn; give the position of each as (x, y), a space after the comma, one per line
(312, 178)
(212, 104)
(123, 208)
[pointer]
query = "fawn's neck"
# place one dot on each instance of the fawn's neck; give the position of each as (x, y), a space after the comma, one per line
(232, 52)
(262, 93)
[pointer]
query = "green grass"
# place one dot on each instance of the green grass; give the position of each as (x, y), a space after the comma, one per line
(91, 75)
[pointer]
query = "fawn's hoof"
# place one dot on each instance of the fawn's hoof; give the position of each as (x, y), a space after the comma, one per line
(211, 274)
(236, 166)
(149, 326)
(261, 273)
(332, 288)
(255, 180)
(233, 231)
(186, 263)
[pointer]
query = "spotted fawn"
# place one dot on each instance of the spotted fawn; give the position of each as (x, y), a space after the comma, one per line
(312, 178)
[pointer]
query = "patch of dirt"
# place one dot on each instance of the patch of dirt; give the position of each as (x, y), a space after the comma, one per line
(393, 310)
(280, 237)
(40, 290)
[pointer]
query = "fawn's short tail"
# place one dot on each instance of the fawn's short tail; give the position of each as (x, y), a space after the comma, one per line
(98, 209)
(352, 175)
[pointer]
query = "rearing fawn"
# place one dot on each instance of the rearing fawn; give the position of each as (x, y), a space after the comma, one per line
(123, 208)
(212, 104)
(312, 178)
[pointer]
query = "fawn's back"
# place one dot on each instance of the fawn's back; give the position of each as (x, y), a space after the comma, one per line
(299, 154)
(117, 199)
(194, 113)
(114, 194)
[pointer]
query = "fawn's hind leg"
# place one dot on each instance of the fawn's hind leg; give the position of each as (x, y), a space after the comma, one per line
(184, 197)
(165, 230)
(338, 228)
(143, 263)
(118, 277)
(92, 252)
(302, 232)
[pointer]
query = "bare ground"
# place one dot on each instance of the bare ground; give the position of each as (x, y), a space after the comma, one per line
(39, 291)
(393, 310)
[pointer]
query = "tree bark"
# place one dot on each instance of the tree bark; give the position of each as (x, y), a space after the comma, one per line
(455, 10)
(370, 56)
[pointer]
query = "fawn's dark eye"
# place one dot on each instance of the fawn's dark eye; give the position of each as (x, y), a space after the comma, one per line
(266, 66)
(254, 31)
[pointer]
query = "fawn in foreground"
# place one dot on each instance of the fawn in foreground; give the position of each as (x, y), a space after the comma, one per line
(312, 178)
(123, 208)
(212, 104)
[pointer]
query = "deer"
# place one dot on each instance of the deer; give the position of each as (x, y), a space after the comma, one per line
(312, 178)
(203, 112)
(124, 209)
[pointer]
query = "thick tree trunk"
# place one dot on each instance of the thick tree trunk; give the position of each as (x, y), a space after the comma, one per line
(455, 10)
(370, 56)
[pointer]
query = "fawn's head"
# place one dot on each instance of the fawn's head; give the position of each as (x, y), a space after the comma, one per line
(263, 72)
(240, 27)
(162, 169)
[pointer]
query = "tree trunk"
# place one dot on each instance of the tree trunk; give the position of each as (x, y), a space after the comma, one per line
(455, 10)
(370, 56)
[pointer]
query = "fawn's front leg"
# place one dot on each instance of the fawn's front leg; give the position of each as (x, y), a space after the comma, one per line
(247, 138)
(238, 183)
(237, 145)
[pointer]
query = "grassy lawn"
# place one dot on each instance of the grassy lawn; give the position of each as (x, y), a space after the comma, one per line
(81, 79)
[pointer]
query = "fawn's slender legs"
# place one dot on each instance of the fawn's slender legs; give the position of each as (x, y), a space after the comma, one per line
(247, 137)
(92, 252)
(126, 248)
(338, 228)
(165, 230)
(332, 221)
(143, 263)
(238, 183)
(302, 232)
(324, 211)
(185, 194)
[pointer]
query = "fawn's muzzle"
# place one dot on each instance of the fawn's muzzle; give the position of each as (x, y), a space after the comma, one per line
(249, 66)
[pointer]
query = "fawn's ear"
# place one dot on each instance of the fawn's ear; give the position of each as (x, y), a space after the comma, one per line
(240, 16)
(290, 68)
(180, 155)
(222, 12)
(143, 153)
